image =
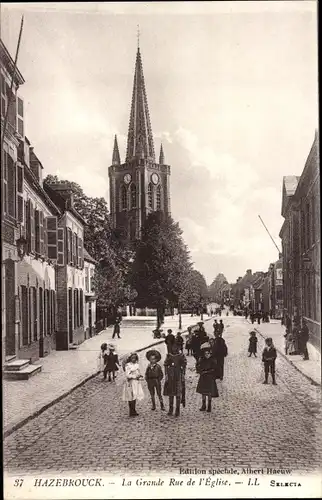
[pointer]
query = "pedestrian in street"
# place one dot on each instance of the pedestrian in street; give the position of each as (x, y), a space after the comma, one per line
(259, 316)
(215, 326)
(303, 339)
(132, 388)
(268, 358)
(153, 377)
(103, 352)
(174, 386)
(211, 312)
(296, 337)
(179, 340)
(206, 368)
(117, 329)
(220, 352)
(111, 362)
(246, 313)
(169, 340)
(195, 345)
(289, 343)
(288, 323)
(252, 317)
(252, 349)
(188, 341)
(221, 327)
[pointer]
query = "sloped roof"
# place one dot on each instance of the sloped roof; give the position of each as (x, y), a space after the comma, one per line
(88, 257)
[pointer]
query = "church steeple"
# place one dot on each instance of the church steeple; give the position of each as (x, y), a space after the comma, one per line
(161, 157)
(116, 160)
(140, 138)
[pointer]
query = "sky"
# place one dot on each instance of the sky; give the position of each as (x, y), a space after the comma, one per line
(232, 93)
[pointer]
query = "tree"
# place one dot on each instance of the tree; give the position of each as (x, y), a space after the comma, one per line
(161, 264)
(196, 291)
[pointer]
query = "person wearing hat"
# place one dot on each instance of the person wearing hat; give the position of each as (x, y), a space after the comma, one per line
(153, 377)
(169, 340)
(188, 341)
(221, 327)
(206, 367)
(268, 358)
(220, 351)
(252, 349)
(111, 362)
(179, 340)
(174, 386)
(132, 389)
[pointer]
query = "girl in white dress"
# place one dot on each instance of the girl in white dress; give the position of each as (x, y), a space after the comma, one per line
(132, 389)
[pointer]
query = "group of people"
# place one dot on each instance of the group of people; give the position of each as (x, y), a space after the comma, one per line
(209, 354)
(259, 316)
(296, 337)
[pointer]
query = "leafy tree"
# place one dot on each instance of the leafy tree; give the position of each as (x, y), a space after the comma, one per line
(195, 293)
(161, 264)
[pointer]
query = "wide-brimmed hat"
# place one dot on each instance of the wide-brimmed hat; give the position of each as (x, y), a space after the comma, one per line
(111, 347)
(153, 352)
(200, 323)
(205, 346)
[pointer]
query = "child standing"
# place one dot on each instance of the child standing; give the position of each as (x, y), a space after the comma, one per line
(132, 389)
(174, 386)
(206, 367)
(153, 376)
(111, 362)
(100, 360)
(252, 349)
(188, 341)
(268, 358)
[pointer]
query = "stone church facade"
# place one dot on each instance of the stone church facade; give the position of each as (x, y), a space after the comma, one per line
(140, 185)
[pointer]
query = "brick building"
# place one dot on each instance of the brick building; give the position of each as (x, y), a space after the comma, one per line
(70, 329)
(300, 234)
(12, 202)
(90, 298)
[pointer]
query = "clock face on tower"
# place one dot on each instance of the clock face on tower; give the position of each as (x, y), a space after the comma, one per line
(127, 178)
(155, 178)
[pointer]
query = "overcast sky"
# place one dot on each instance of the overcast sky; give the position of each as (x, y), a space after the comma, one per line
(232, 93)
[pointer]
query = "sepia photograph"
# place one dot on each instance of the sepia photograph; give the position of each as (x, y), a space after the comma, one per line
(160, 241)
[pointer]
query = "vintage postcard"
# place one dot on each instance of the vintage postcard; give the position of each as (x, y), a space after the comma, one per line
(160, 215)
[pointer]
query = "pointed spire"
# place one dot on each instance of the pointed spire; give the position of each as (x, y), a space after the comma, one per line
(161, 157)
(116, 160)
(140, 138)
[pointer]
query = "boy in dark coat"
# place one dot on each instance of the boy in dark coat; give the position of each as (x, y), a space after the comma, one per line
(268, 358)
(206, 367)
(252, 349)
(195, 345)
(220, 351)
(111, 362)
(188, 341)
(221, 327)
(179, 340)
(153, 377)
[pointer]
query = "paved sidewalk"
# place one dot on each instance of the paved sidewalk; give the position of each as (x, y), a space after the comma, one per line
(310, 368)
(62, 371)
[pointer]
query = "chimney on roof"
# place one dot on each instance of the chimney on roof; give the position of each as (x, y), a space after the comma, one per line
(249, 272)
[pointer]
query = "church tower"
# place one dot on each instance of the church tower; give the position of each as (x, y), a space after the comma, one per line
(140, 185)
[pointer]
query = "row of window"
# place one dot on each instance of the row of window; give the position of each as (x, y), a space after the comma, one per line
(75, 310)
(309, 224)
(38, 314)
(312, 295)
(128, 197)
(89, 284)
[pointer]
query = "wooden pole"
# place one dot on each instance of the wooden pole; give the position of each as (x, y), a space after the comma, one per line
(11, 87)
(269, 234)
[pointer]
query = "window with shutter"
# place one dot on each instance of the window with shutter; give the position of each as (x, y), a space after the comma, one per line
(11, 183)
(20, 204)
(60, 247)
(32, 228)
(19, 107)
(51, 227)
(81, 308)
(12, 119)
(41, 234)
(4, 99)
(82, 253)
(76, 250)
(5, 181)
(69, 246)
(79, 262)
(37, 232)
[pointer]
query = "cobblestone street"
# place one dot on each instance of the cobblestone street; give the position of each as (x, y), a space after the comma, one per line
(251, 425)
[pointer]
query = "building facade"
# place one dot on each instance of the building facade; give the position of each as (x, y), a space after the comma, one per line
(300, 236)
(90, 297)
(140, 185)
(275, 289)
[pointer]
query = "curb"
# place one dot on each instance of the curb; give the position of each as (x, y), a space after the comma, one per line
(313, 382)
(23, 422)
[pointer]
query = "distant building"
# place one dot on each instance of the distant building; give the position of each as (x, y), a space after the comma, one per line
(90, 297)
(300, 234)
(275, 289)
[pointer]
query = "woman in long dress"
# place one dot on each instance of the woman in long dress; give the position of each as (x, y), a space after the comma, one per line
(132, 389)
(174, 386)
